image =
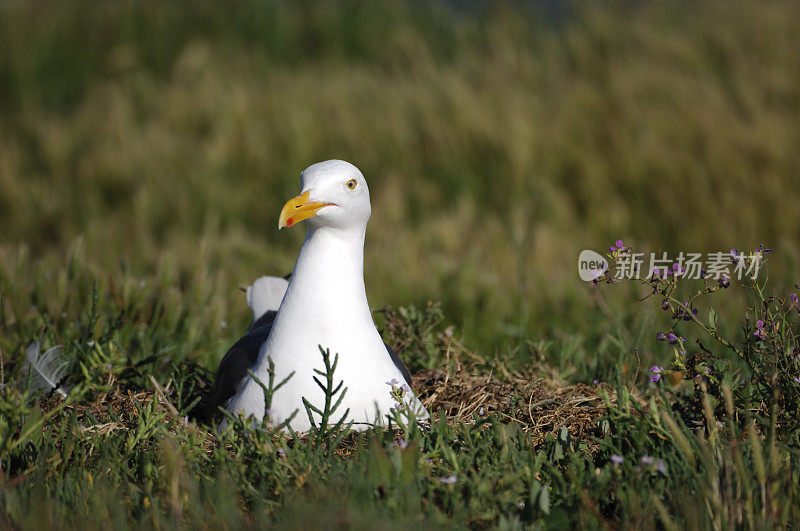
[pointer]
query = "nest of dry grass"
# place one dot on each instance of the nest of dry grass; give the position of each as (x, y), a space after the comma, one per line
(537, 402)
(538, 405)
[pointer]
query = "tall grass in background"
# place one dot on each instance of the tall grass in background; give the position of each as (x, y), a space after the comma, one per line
(146, 148)
(498, 143)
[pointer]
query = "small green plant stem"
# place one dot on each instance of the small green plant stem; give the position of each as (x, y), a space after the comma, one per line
(323, 431)
(713, 333)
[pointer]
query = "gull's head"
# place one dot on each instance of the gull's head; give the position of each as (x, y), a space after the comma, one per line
(334, 194)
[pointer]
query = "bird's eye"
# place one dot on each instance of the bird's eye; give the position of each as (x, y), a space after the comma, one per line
(351, 184)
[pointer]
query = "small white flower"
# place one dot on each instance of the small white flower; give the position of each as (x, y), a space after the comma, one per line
(449, 480)
(402, 444)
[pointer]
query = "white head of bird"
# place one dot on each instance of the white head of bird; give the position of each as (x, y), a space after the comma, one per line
(334, 195)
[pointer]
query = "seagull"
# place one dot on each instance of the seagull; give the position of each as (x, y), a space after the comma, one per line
(323, 305)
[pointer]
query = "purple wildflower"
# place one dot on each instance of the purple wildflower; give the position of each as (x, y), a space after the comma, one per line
(661, 336)
(656, 370)
(619, 245)
(665, 304)
(661, 467)
(617, 459)
(647, 460)
(797, 380)
(762, 250)
(393, 382)
(678, 269)
(596, 273)
(760, 333)
(702, 273)
(686, 312)
(724, 282)
(672, 338)
(449, 480)
(793, 298)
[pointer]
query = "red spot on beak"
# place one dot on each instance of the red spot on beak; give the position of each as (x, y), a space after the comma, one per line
(290, 222)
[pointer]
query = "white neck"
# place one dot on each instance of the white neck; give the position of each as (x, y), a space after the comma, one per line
(330, 267)
(326, 294)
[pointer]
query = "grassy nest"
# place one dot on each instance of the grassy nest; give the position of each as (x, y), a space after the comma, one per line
(539, 405)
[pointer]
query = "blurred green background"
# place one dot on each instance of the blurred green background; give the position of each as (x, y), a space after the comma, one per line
(499, 140)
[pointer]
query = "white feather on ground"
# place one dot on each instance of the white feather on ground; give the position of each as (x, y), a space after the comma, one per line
(49, 369)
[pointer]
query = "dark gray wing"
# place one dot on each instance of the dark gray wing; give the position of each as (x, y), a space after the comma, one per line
(399, 364)
(265, 321)
(240, 358)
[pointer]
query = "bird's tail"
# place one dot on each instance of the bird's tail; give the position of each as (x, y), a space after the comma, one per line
(266, 294)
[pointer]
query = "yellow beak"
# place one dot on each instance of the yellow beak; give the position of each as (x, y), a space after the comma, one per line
(297, 209)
